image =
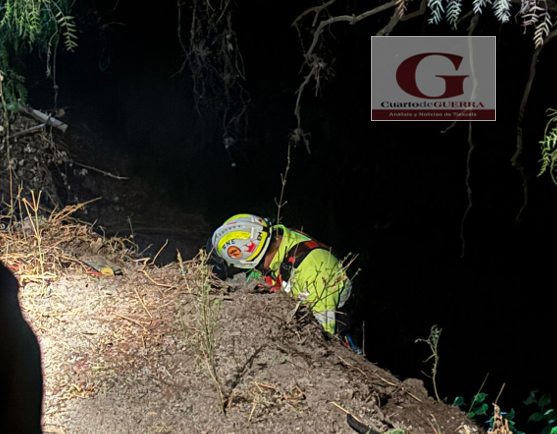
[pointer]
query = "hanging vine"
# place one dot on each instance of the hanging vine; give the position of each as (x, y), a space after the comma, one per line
(538, 14)
(215, 63)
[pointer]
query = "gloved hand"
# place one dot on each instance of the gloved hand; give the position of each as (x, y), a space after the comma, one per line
(268, 286)
(262, 287)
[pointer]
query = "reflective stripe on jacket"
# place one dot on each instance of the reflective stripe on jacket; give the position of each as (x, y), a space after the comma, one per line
(319, 280)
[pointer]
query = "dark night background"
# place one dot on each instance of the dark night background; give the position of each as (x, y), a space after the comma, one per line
(392, 192)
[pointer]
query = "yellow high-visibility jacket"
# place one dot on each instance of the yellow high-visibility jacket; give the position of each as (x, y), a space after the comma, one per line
(319, 280)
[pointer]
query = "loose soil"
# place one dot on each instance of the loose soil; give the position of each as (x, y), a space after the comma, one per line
(124, 354)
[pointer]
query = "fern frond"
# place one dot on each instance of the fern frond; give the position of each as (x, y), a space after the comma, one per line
(529, 11)
(549, 146)
(8, 14)
(502, 9)
(478, 5)
(546, 162)
(542, 29)
(32, 26)
(437, 10)
(453, 12)
(70, 33)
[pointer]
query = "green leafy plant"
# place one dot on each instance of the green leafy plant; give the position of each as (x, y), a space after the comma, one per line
(535, 14)
(31, 26)
(480, 411)
(433, 342)
(478, 407)
(549, 146)
(70, 37)
(545, 415)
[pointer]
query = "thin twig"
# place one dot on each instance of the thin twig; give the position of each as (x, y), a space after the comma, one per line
(101, 171)
(436, 431)
(164, 285)
(345, 410)
(479, 391)
(500, 393)
(283, 178)
(160, 251)
(28, 130)
(131, 320)
(142, 302)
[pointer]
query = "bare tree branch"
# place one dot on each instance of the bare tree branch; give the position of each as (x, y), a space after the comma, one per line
(318, 66)
(398, 17)
(316, 9)
(421, 11)
(347, 18)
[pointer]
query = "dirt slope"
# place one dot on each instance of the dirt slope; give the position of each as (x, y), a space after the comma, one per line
(157, 350)
(128, 354)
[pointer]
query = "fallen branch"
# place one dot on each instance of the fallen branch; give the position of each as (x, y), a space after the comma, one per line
(44, 118)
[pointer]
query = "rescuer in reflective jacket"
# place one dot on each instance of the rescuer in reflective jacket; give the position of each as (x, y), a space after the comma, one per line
(289, 260)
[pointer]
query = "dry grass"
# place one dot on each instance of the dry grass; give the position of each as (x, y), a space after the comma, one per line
(199, 282)
(43, 243)
(98, 330)
(92, 328)
(500, 424)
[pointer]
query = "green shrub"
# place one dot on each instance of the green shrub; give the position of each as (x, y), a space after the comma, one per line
(543, 418)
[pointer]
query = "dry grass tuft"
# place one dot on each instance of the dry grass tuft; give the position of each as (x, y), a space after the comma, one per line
(200, 282)
(96, 331)
(42, 243)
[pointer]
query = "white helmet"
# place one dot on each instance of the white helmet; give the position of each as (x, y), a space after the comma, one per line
(242, 240)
